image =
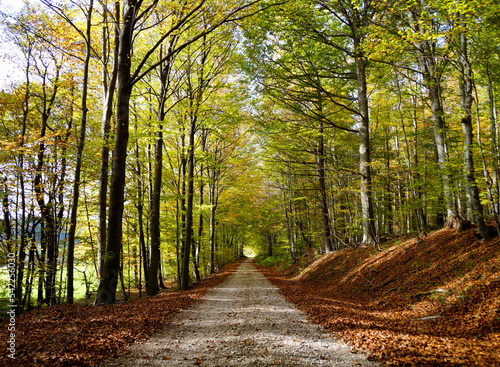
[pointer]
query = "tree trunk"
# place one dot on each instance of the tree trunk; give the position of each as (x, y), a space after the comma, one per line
(288, 211)
(389, 220)
(320, 166)
(47, 210)
(78, 164)
(494, 144)
(420, 209)
(108, 92)
(487, 176)
(269, 238)
(189, 208)
(213, 209)
(196, 260)
(106, 292)
(153, 282)
(22, 236)
(369, 232)
(183, 175)
(466, 100)
(143, 252)
(155, 202)
(428, 68)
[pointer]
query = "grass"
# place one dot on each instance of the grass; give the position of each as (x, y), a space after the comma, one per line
(79, 286)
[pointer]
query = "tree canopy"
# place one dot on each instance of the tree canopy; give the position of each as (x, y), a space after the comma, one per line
(148, 142)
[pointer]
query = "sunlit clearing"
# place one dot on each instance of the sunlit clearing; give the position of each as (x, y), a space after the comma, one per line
(248, 252)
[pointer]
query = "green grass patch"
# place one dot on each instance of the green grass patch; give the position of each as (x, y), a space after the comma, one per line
(79, 285)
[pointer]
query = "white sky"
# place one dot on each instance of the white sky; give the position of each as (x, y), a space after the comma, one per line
(11, 4)
(8, 69)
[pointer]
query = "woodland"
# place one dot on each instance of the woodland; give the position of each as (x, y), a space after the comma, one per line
(145, 144)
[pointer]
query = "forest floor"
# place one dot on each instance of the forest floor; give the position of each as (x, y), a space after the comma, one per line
(242, 322)
(419, 302)
(76, 335)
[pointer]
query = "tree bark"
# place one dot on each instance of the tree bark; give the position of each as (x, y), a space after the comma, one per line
(213, 209)
(155, 198)
(189, 208)
(369, 232)
(78, 164)
(428, 67)
(22, 236)
(153, 282)
(466, 101)
(108, 92)
(492, 182)
(106, 292)
(47, 210)
(200, 216)
(320, 167)
(494, 144)
(143, 252)
(288, 211)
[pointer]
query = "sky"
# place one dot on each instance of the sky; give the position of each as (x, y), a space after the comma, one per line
(11, 4)
(8, 69)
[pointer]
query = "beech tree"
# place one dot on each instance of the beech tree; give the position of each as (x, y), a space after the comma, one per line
(132, 13)
(288, 128)
(341, 26)
(86, 35)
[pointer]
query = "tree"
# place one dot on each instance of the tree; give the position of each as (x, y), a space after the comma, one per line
(108, 90)
(466, 97)
(131, 15)
(81, 141)
(342, 27)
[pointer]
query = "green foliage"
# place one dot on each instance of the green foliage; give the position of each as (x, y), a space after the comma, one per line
(272, 91)
(273, 261)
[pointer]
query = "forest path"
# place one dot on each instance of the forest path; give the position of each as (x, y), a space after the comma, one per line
(242, 322)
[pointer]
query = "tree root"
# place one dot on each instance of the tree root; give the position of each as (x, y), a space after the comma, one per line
(459, 224)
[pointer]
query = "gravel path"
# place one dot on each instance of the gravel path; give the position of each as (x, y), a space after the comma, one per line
(242, 322)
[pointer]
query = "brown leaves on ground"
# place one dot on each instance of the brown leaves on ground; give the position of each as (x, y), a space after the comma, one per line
(434, 302)
(71, 335)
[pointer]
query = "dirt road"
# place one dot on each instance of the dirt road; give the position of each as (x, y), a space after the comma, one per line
(242, 322)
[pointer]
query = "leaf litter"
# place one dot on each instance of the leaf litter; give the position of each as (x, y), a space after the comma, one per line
(75, 335)
(434, 302)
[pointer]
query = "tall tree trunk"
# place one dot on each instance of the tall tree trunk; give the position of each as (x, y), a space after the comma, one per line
(189, 208)
(389, 222)
(196, 259)
(182, 184)
(369, 231)
(108, 92)
(79, 157)
(289, 217)
(153, 287)
(320, 167)
(178, 228)
(466, 95)
(195, 100)
(213, 209)
(47, 210)
(417, 177)
(428, 68)
(487, 176)
(494, 143)
(269, 238)
(155, 199)
(106, 292)
(22, 236)
(143, 252)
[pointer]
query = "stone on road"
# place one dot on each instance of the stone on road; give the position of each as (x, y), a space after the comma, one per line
(242, 322)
